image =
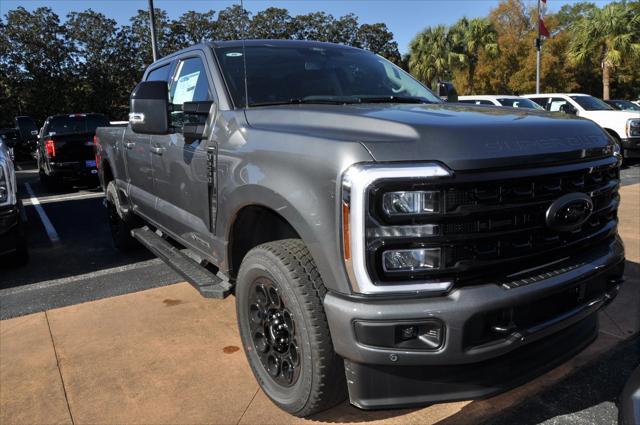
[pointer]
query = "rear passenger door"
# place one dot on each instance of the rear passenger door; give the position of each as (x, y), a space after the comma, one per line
(180, 167)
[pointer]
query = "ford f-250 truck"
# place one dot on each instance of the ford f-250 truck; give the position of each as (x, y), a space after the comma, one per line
(379, 242)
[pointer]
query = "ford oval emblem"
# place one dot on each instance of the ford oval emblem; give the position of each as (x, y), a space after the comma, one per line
(569, 212)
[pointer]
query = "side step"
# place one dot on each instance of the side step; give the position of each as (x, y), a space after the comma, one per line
(208, 284)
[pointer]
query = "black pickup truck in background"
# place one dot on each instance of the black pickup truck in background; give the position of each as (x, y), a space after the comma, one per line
(65, 150)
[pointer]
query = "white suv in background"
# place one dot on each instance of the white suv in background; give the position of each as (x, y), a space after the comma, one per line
(501, 100)
(624, 126)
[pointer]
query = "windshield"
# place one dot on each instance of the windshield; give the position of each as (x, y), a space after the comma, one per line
(316, 74)
(624, 105)
(590, 103)
(77, 124)
(520, 103)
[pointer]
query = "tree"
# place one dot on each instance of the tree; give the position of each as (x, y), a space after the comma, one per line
(36, 63)
(469, 39)
(273, 23)
(378, 39)
(313, 26)
(612, 34)
(195, 27)
(431, 57)
(233, 23)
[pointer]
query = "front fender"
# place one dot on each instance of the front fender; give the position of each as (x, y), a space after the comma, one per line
(299, 178)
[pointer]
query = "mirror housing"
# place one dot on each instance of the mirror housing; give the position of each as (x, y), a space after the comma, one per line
(149, 108)
(27, 129)
(195, 117)
(568, 109)
(447, 91)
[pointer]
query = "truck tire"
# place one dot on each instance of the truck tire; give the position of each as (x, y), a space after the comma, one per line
(119, 223)
(20, 256)
(284, 329)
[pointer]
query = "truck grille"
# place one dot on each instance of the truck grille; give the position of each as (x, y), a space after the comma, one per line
(496, 220)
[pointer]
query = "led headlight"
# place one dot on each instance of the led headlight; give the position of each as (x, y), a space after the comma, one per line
(633, 128)
(407, 260)
(417, 202)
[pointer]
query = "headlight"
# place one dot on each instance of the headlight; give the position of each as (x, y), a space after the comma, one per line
(633, 128)
(419, 202)
(411, 259)
(374, 210)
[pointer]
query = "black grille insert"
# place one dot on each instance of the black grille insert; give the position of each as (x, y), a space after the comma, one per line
(496, 220)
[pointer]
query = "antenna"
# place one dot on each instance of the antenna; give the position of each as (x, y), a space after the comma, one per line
(244, 58)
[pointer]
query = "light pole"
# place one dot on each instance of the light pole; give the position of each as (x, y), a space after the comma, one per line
(152, 26)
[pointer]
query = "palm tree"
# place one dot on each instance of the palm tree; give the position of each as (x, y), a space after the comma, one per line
(470, 38)
(612, 33)
(430, 55)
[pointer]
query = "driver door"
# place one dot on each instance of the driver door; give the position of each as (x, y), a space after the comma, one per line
(181, 167)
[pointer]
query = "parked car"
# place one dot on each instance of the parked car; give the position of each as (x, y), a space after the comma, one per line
(13, 243)
(622, 105)
(65, 151)
(504, 100)
(378, 241)
(623, 126)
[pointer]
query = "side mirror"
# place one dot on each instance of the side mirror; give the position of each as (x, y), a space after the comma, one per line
(149, 108)
(195, 118)
(447, 91)
(27, 129)
(568, 109)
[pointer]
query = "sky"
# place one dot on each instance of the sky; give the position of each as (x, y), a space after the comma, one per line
(403, 17)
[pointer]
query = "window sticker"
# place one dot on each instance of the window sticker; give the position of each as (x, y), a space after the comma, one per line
(234, 54)
(185, 88)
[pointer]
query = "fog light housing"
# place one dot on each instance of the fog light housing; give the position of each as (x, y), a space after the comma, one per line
(416, 202)
(409, 260)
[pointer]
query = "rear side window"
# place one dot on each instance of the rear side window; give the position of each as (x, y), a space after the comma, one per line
(160, 74)
(76, 124)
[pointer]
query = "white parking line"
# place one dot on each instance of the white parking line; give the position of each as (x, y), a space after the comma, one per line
(48, 226)
(76, 278)
(74, 197)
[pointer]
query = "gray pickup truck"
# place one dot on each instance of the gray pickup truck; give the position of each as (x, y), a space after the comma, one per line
(381, 244)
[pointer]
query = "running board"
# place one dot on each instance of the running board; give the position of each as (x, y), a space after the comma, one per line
(208, 284)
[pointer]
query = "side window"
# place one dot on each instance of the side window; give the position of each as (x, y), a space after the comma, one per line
(542, 101)
(556, 104)
(160, 74)
(189, 84)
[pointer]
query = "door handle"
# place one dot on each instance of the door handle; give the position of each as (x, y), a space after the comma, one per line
(157, 150)
(129, 145)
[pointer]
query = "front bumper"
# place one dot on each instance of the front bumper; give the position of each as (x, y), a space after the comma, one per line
(472, 362)
(631, 144)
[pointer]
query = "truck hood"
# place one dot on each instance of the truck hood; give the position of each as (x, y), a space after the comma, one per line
(461, 136)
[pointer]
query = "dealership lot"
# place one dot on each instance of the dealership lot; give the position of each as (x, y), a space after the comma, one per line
(147, 351)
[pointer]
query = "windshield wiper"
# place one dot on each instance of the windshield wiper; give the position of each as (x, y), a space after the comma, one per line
(311, 100)
(392, 99)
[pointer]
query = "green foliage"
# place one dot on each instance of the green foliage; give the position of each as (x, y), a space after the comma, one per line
(89, 63)
(591, 48)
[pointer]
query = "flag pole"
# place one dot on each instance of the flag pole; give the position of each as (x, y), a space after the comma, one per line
(539, 48)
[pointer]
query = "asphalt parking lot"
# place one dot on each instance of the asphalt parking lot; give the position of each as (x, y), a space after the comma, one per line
(73, 261)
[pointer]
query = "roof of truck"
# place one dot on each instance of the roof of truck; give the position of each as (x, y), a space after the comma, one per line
(274, 43)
